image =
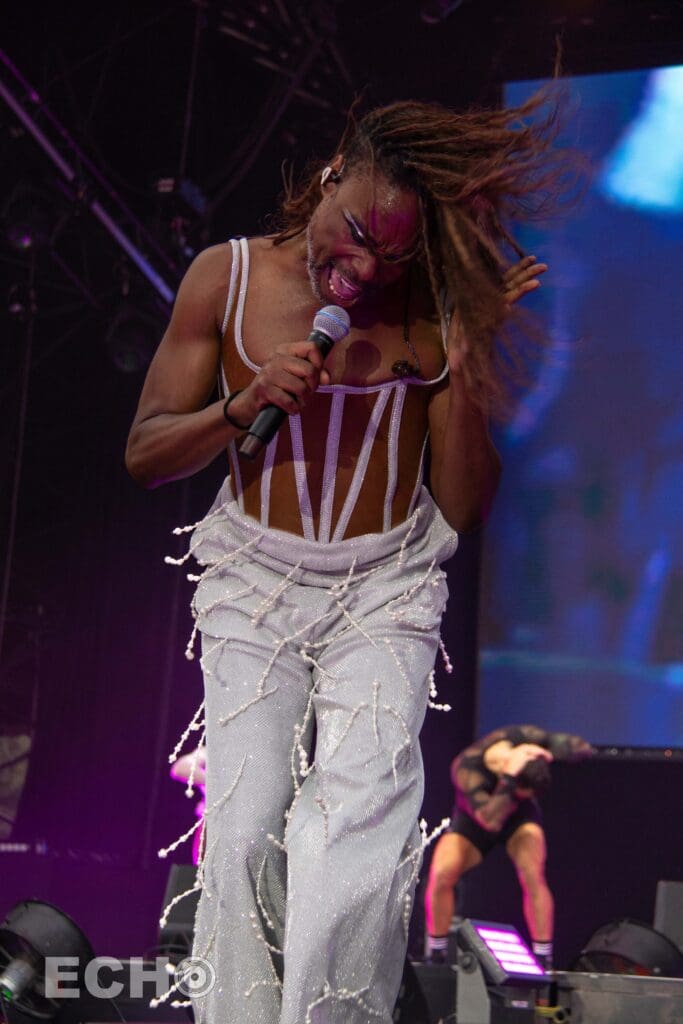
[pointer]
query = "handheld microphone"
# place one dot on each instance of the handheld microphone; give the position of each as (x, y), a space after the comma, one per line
(330, 324)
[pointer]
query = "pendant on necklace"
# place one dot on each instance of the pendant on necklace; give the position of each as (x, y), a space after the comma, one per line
(402, 368)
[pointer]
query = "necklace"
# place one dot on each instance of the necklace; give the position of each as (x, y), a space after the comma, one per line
(402, 368)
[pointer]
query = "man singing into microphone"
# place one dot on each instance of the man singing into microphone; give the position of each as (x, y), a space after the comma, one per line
(321, 593)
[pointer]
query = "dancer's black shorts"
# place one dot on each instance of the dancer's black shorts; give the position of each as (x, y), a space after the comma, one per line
(464, 825)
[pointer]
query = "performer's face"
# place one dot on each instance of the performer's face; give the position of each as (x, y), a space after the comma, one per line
(362, 237)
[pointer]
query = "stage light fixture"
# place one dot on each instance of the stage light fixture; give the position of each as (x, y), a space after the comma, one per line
(28, 218)
(630, 947)
(502, 952)
(132, 338)
(32, 931)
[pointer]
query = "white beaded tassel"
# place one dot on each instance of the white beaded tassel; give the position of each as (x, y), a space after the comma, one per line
(402, 599)
(444, 654)
(342, 995)
(414, 858)
(433, 695)
(406, 745)
(271, 599)
(174, 902)
(303, 640)
(162, 854)
(189, 789)
(195, 726)
(406, 540)
(209, 810)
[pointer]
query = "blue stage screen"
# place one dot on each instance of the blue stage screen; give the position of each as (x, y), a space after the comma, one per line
(582, 590)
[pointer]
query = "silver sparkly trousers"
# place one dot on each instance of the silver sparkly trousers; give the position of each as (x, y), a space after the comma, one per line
(309, 869)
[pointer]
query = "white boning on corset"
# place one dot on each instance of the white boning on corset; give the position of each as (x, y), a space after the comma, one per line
(234, 270)
(244, 281)
(382, 390)
(266, 476)
(361, 465)
(418, 482)
(330, 470)
(392, 456)
(236, 475)
(300, 474)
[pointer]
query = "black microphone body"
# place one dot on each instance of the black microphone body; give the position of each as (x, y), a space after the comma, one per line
(269, 420)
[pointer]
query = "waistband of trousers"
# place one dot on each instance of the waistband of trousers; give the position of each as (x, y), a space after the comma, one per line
(227, 524)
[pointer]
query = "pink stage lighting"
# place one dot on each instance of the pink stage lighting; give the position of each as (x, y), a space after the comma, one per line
(501, 951)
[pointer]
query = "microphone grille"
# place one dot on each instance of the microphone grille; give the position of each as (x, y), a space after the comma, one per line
(332, 321)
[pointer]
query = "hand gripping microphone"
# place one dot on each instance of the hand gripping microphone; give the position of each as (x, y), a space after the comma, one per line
(330, 324)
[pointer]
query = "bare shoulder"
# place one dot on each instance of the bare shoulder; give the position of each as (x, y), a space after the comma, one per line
(206, 281)
(183, 371)
(271, 262)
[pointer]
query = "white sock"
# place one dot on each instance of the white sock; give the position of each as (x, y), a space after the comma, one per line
(543, 949)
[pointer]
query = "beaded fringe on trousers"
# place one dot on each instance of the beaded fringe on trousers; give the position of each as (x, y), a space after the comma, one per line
(309, 864)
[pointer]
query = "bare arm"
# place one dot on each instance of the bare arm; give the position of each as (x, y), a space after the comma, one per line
(562, 745)
(465, 466)
(175, 433)
(492, 809)
(566, 747)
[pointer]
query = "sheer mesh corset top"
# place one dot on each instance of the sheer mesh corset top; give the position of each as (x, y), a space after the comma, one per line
(362, 421)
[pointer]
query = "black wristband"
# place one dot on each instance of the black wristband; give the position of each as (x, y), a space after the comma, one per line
(228, 417)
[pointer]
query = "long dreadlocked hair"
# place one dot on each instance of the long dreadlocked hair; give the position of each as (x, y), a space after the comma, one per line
(475, 174)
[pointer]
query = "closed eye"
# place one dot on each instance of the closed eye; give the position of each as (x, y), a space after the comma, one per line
(359, 238)
(355, 232)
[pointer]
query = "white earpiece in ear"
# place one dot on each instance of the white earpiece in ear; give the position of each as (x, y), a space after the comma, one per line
(325, 175)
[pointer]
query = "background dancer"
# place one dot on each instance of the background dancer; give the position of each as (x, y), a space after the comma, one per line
(191, 769)
(321, 594)
(497, 780)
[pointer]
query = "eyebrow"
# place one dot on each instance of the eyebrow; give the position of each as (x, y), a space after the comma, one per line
(367, 237)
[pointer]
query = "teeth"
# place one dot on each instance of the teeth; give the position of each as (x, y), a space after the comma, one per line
(350, 291)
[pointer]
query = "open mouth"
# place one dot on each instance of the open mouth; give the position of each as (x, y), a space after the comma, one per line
(341, 287)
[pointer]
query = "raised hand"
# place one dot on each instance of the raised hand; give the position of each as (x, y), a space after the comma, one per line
(519, 757)
(517, 281)
(522, 278)
(288, 378)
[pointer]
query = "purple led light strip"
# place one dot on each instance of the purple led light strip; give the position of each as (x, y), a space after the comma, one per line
(509, 950)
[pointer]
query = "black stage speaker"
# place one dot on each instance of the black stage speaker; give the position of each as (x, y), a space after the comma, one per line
(427, 994)
(445, 994)
(630, 947)
(669, 911)
(175, 938)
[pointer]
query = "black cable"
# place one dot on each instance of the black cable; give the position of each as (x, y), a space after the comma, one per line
(189, 98)
(19, 456)
(118, 1012)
